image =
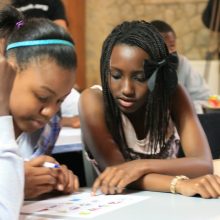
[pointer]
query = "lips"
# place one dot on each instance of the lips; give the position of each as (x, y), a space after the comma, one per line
(38, 123)
(126, 103)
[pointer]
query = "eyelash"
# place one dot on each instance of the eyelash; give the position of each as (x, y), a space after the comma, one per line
(42, 99)
(117, 76)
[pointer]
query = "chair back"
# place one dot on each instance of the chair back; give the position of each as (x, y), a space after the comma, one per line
(211, 126)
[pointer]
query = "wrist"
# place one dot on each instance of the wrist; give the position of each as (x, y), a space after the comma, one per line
(176, 183)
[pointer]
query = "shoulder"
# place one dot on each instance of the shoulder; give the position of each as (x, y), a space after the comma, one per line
(94, 92)
(91, 100)
(182, 105)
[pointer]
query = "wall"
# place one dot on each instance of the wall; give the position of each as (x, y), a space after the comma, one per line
(3, 3)
(183, 15)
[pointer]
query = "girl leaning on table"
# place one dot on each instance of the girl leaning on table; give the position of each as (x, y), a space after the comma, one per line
(41, 58)
(136, 122)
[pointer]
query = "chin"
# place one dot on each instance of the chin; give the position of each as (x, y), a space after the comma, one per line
(25, 127)
(127, 110)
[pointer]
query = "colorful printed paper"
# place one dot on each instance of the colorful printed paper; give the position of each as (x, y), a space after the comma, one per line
(81, 205)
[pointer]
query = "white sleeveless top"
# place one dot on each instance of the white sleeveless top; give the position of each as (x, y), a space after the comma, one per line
(142, 147)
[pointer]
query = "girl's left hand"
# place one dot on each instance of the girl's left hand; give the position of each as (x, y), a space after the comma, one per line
(207, 186)
(67, 181)
(114, 179)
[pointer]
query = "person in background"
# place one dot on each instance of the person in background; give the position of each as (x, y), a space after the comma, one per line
(11, 163)
(136, 121)
(44, 59)
(187, 76)
(69, 110)
(51, 9)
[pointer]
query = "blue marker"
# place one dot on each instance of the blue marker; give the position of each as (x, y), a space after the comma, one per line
(51, 165)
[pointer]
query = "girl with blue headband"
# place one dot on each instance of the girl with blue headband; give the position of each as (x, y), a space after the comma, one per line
(41, 58)
(140, 117)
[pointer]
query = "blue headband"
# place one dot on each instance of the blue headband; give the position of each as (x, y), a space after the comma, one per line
(38, 43)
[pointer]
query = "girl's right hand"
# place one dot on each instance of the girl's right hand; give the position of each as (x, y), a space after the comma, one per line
(207, 186)
(7, 76)
(39, 179)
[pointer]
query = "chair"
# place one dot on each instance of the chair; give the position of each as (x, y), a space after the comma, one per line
(211, 126)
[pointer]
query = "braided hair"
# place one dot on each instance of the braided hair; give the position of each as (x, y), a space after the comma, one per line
(143, 35)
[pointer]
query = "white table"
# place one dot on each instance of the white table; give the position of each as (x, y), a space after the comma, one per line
(69, 140)
(160, 206)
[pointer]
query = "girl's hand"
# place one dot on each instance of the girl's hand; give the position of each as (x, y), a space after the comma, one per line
(114, 179)
(207, 186)
(7, 76)
(67, 181)
(39, 179)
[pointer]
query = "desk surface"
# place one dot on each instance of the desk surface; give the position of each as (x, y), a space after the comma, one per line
(69, 140)
(158, 206)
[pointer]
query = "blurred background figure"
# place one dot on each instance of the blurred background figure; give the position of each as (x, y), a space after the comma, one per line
(69, 110)
(192, 80)
(51, 9)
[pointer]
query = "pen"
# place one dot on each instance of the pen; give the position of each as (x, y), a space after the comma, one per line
(50, 165)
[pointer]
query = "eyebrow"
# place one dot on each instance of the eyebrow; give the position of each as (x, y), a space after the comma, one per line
(48, 89)
(51, 91)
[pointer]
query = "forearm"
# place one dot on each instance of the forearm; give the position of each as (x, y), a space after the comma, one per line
(191, 167)
(66, 122)
(153, 182)
(73, 122)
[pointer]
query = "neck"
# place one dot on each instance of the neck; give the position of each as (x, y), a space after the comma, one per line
(137, 120)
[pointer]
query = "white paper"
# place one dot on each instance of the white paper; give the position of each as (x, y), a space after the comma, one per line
(81, 205)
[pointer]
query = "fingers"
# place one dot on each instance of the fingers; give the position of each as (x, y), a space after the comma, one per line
(67, 181)
(73, 184)
(209, 186)
(36, 175)
(31, 193)
(39, 161)
(37, 185)
(111, 181)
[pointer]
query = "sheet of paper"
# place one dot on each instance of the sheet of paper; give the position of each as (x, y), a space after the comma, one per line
(81, 205)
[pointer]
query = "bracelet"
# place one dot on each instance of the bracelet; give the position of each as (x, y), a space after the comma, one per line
(174, 182)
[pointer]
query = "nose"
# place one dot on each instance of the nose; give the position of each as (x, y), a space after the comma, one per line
(127, 88)
(49, 111)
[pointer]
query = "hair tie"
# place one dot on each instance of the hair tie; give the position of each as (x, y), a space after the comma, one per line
(151, 69)
(19, 24)
(46, 42)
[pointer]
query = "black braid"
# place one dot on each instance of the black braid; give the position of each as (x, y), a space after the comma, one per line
(145, 36)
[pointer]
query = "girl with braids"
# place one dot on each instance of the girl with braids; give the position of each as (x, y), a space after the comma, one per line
(132, 127)
(40, 63)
